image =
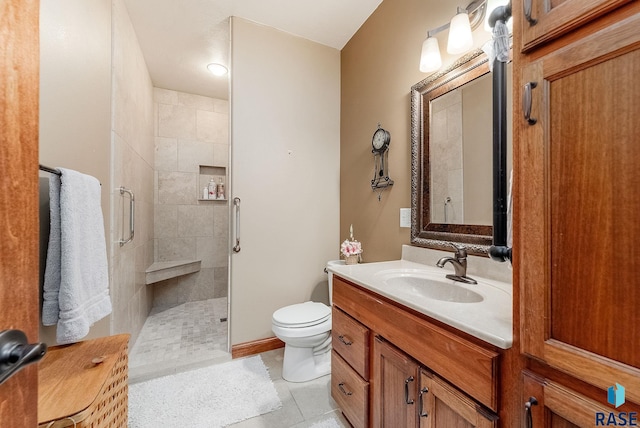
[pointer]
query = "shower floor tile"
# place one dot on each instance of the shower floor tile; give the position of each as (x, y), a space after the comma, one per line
(179, 338)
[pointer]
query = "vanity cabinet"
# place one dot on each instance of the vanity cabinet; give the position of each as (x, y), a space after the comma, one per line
(409, 371)
(545, 20)
(576, 264)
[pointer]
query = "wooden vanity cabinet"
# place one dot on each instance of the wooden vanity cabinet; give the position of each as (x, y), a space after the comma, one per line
(416, 373)
(549, 19)
(576, 264)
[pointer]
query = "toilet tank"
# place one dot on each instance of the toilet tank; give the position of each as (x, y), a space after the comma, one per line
(330, 277)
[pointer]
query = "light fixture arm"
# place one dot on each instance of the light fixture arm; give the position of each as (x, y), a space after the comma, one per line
(501, 13)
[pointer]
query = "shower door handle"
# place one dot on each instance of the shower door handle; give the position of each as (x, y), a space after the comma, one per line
(132, 209)
(236, 204)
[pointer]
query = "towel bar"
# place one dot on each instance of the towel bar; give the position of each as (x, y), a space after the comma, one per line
(132, 206)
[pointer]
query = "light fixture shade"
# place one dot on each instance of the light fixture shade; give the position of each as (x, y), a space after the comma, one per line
(430, 59)
(217, 69)
(460, 38)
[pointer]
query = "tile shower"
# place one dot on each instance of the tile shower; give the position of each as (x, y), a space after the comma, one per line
(187, 323)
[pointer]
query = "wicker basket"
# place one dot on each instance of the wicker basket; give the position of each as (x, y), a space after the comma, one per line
(109, 408)
(352, 260)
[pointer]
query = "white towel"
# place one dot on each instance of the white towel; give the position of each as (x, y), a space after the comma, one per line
(76, 285)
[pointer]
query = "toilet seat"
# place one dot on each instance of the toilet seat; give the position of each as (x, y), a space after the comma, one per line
(302, 315)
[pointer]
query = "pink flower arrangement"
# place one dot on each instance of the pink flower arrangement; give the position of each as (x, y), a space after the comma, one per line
(350, 248)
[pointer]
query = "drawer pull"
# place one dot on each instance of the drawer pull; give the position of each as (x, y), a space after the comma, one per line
(423, 413)
(406, 390)
(344, 391)
(346, 342)
(527, 410)
(527, 101)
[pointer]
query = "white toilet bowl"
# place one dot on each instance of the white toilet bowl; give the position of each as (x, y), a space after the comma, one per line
(305, 329)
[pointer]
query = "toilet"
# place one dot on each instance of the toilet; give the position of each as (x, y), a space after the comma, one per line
(305, 329)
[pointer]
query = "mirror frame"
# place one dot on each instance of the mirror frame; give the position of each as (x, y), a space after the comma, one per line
(476, 239)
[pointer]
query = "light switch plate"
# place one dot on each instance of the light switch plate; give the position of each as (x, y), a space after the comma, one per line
(405, 217)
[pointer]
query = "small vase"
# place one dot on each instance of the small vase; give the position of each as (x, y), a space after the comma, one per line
(351, 260)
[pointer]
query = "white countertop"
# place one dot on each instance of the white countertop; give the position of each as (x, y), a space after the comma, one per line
(490, 320)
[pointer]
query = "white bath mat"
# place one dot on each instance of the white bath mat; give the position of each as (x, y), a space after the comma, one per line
(210, 397)
(327, 423)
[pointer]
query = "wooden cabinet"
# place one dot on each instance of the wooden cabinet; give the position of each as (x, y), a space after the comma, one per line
(396, 387)
(442, 405)
(576, 215)
(550, 404)
(404, 385)
(545, 20)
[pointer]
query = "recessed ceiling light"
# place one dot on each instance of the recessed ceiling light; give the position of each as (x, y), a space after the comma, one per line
(217, 69)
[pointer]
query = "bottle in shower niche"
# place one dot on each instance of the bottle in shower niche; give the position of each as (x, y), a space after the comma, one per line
(205, 193)
(212, 189)
(220, 189)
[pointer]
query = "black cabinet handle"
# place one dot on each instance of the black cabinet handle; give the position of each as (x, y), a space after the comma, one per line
(527, 411)
(344, 391)
(345, 341)
(527, 101)
(423, 413)
(406, 390)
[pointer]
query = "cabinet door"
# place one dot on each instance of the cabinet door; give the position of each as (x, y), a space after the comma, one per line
(544, 20)
(578, 210)
(394, 387)
(443, 406)
(550, 405)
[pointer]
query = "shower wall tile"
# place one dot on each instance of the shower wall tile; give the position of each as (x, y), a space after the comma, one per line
(220, 282)
(176, 188)
(192, 154)
(221, 155)
(176, 121)
(205, 251)
(166, 154)
(165, 96)
(202, 287)
(166, 221)
(212, 127)
(221, 106)
(196, 101)
(195, 220)
(172, 249)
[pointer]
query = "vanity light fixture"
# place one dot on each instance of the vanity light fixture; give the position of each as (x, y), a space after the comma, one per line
(217, 69)
(460, 38)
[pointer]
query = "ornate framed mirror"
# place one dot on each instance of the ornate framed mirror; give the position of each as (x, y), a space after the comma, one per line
(451, 157)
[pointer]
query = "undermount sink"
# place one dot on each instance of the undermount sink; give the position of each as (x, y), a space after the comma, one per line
(417, 284)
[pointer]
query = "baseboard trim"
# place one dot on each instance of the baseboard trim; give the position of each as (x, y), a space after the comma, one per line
(255, 347)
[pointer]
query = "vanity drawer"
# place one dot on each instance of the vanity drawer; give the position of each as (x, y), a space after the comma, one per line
(351, 340)
(350, 392)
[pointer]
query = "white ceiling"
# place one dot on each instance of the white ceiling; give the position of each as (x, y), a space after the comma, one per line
(180, 37)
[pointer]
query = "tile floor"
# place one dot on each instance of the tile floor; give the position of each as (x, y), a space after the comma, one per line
(178, 338)
(191, 335)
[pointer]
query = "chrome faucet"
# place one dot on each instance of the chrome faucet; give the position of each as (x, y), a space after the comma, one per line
(459, 262)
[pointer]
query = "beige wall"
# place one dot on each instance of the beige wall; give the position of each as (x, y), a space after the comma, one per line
(192, 146)
(285, 98)
(75, 99)
(132, 167)
(378, 67)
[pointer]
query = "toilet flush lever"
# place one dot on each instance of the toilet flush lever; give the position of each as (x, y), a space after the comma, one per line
(16, 353)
